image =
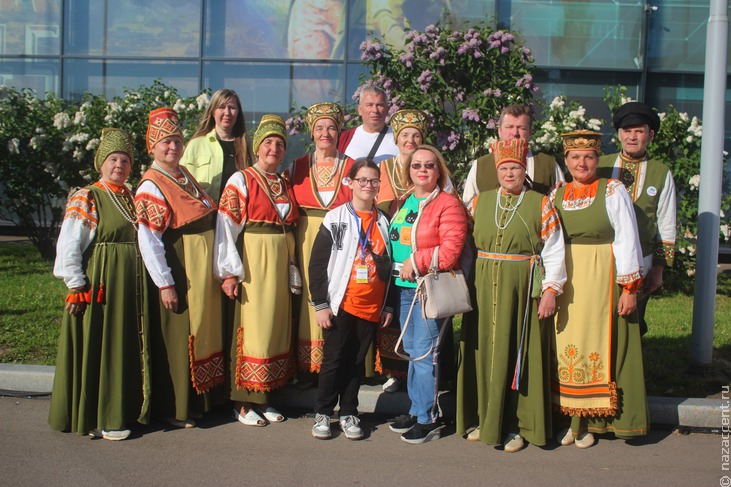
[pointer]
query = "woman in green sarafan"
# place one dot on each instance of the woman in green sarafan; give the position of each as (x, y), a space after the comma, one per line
(101, 384)
(502, 384)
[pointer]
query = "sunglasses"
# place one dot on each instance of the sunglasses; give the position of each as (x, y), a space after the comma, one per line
(363, 182)
(427, 165)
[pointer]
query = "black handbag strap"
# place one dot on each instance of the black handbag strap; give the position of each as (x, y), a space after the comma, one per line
(378, 141)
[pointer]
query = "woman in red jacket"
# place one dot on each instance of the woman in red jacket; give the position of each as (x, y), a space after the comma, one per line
(428, 218)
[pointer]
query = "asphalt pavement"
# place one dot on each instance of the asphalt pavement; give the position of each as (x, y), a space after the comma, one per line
(220, 451)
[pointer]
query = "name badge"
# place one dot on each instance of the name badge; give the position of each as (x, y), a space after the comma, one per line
(651, 191)
(361, 274)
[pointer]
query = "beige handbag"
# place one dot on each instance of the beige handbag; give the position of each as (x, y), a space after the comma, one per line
(442, 294)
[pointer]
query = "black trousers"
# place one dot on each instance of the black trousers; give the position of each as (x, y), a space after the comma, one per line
(343, 363)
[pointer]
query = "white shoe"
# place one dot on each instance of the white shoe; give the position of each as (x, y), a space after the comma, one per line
(111, 435)
(321, 429)
(513, 443)
(565, 437)
(585, 440)
(474, 435)
(351, 427)
(392, 385)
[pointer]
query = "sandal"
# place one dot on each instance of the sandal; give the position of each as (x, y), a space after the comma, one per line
(272, 415)
(251, 418)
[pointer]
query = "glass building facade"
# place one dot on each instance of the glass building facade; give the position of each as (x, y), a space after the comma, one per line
(282, 53)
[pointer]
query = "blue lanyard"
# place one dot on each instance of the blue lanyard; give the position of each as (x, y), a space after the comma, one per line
(363, 237)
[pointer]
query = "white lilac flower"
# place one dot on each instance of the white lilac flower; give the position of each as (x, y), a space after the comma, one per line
(689, 139)
(79, 118)
(557, 102)
(684, 116)
(61, 120)
(92, 145)
(202, 100)
(179, 105)
(695, 181)
(578, 113)
(78, 154)
(14, 146)
(725, 231)
(594, 124)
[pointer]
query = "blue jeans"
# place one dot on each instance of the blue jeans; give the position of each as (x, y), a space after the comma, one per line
(423, 378)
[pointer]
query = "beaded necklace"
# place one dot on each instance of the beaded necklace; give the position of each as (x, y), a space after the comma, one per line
(512, 210)
(184, 184)
(122, 206)
(272, 181)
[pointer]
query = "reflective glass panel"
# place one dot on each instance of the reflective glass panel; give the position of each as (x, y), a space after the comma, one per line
(677, 36)
(262, 88)
(387, 19)
(588, 34)
(163, 28)
(684, 92)
(39, 75)
(30, 28)
(111, 77)
(267, 29)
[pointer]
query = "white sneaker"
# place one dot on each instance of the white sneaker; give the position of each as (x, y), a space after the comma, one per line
(351, 427)
(584, 440)
(321, 429)
(565, 437)
(513, 443)
(111, 435)
(392, 385)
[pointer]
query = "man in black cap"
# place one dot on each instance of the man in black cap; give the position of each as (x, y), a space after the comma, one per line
(651, 186)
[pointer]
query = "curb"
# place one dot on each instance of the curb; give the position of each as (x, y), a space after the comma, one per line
(669, 411)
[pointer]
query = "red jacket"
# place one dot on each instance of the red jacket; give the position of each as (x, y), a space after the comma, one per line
(442, 222)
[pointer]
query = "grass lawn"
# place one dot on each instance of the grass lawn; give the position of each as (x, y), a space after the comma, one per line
(31, 304)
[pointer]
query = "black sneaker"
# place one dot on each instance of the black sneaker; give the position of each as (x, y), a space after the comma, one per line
(421, 433)
(402, 423)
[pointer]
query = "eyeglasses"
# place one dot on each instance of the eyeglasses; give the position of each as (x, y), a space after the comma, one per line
(427, 165)
(363, 182)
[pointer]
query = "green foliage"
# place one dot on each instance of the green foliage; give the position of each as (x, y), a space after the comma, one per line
(461, 78)
(51, 144)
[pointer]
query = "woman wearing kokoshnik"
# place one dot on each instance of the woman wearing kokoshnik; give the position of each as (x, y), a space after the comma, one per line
(176, 240)
(254, 249)
(503, 381)
(597, 379)
(409, 128)
(101, 384)
(318, 182)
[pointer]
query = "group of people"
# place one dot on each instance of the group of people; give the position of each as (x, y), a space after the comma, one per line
(221, 277)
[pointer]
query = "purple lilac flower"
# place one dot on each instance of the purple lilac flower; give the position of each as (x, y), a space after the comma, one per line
(470, 114)
(504, 50)
(463, 48)
(477, 54)
(491, 124)
(487, 92)
(497, 93)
